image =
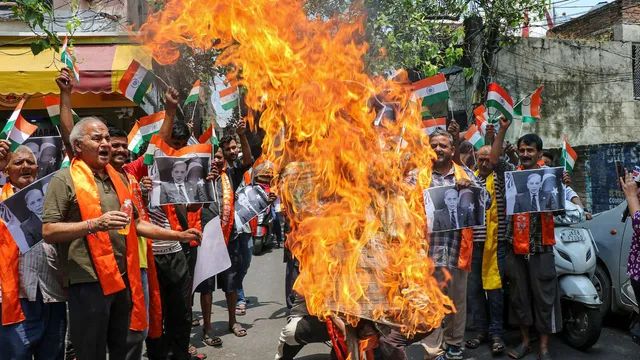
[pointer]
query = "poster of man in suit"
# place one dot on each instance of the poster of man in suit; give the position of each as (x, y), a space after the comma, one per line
(22, 213)
(181, 180)
(450, 209)
(533, 191)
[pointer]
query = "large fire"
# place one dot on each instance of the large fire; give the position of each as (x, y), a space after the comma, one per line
(358, 228)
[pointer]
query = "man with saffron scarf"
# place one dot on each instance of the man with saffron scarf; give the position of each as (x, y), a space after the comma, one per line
(102, 267)
(449, 250)
(33, 299)
(171, 258)
(489, 251)
(533, 286)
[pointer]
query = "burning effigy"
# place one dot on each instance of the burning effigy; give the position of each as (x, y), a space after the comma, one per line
(358, 228)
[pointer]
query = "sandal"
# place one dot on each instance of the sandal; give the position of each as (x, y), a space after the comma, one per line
(192, 350)
(199, 357)
(241, 309)
(480, 339)
(237, 330)
(521, 351)
(195, 323)
(211, 340)
(498, 345)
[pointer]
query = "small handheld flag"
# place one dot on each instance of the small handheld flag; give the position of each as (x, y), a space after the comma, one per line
(12, 120)
(209, 135)
(229, 97)
(431, 125)
(67, 59)
(473, 136)
(65, 162)
(569, 156)
(500, 100)
(21, 132)
(52, 103)
(433, 90)
(528, 109)
(135, 82)
(194, 93)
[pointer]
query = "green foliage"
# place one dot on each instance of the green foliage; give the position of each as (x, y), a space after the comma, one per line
(39, 15)
(425, 35)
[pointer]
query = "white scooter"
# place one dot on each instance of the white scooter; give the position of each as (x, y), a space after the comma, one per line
(575, 259)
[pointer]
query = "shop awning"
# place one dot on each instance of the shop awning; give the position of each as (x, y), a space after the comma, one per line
(101, 67)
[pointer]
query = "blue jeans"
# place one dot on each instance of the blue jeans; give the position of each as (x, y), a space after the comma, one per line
(136, 339)
(477, 293)
(40, 336)
(145, 289)
(246, 252)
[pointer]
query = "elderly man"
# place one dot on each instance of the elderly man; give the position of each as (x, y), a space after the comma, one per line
(33, 300)
(170, 257)
(102, 267)
(533, 286)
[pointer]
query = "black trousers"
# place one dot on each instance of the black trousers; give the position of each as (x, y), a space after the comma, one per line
(300, 331)
(99, 321)
(174, 281)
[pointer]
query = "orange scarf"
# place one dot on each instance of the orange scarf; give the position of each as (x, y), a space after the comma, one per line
(99, 243)
(155, 303)
(466, 244)
(9, 273)
(521, 234)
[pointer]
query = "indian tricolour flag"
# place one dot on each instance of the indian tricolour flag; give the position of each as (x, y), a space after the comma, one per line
(474, 137)
(500, 100)
(21, 132)
(229, 97)
(431, 125)
(529, 108)
(12, 120)
(135, 82)
(432, 90)
(66, 162)
(67, 59)
(135, 139)
(158, 147)
(569, 156)
(194, 93)
(483, 119)
(150, 125)
(209, 135)
(52, 103)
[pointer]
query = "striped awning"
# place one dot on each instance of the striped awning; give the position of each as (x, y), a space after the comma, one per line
(101, 67)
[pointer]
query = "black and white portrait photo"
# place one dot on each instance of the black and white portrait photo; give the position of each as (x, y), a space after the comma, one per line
(48, 152)
(181, 180)
(252, 200)
(531, 191)
(450, 209)
(22, 213)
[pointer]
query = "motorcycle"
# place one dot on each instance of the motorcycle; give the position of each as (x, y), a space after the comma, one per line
(264, 235)
(575, 259)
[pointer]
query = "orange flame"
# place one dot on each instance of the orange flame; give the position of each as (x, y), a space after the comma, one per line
(358, 228)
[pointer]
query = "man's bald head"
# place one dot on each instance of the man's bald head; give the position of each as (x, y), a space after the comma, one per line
(484, 160)
(485, 150)
(22, 168)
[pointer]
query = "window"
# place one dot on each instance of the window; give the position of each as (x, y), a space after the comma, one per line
(635, 54)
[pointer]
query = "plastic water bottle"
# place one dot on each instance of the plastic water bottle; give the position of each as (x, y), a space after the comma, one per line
(126, 208)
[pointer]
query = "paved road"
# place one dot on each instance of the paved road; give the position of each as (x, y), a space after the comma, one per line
(267, 315)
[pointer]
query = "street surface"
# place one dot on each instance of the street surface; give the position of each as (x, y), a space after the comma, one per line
(267, 313)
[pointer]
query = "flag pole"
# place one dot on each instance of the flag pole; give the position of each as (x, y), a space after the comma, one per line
(194, 111)
(159, 78)
(521, 126)
(564, 152)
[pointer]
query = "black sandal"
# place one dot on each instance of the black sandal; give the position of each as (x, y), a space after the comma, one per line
(475, 343)
(211, 340)
(521, 351)
(498, 345)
